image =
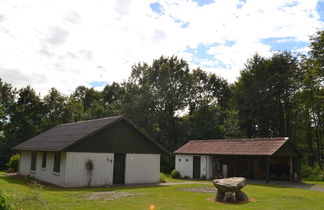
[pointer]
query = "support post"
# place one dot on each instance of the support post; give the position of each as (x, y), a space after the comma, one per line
(291, 175)
(298, 169)
(267, 169)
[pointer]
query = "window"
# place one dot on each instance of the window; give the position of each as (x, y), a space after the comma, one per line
(33, 161)
(44, 160)
(57, 162)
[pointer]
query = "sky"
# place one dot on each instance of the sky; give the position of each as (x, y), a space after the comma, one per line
(68, 43)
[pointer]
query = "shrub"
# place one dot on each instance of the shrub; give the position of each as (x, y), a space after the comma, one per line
(306, 171)
(312, 174)
(13, 163)
(162, 178)
(5, 203)
(175, 174)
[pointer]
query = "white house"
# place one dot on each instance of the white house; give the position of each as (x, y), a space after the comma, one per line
(258, 158)
(99, 152)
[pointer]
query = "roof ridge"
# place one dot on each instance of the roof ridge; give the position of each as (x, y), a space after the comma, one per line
(243, 139)
(84, 121)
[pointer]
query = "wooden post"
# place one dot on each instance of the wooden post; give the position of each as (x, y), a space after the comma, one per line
(298, 169)
(291, 175)
(267, 168)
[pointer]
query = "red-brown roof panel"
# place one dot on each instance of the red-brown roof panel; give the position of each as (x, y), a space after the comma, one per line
(256, 146)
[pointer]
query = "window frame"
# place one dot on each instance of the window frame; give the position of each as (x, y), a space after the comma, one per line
(44, 159)
(33, 161)
(57, 162)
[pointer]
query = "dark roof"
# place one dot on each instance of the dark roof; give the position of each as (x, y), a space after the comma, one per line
(256, 146)
(65, 135)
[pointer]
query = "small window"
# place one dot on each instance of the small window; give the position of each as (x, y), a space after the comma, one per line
(179, 159)
(44, 160)
(187, 159)
(57, 162)
(33, 161)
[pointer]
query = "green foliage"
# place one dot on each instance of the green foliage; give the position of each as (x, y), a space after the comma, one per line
(167, 163)
(5, 203)
(312, 173)
(175, 174)
(162, 178)
(14, 162)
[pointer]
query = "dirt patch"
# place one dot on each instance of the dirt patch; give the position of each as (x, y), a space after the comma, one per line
(243, 202)
(200, 189)
(110, 195)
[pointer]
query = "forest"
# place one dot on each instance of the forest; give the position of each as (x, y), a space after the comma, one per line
(281, 95)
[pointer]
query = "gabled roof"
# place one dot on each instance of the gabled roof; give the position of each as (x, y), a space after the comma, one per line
(256, 146)
(66, 135)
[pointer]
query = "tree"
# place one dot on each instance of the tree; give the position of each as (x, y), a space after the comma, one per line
(311, 100)
(56, 109)
(7, 96)
(263, 95)
(160, 91)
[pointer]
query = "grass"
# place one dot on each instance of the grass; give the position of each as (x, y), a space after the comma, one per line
(165, 197)
(315, 183)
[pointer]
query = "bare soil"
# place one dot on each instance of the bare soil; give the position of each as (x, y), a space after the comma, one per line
(109, 195)
(200, 189)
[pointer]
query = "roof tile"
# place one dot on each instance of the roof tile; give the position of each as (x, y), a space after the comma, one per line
(256, 146)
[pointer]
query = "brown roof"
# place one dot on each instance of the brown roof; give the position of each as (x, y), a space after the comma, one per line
(256, 146)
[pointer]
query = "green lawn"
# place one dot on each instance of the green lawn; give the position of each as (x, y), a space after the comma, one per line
(316, 183)
(164, 197)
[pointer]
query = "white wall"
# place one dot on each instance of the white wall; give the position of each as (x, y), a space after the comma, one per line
(209, 167)
(24, 163)
(44, 174)
(185, 165)
(77, 174)
(142, 168)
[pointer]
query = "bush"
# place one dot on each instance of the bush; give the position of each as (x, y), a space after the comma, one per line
(175, 174)
(13, 163)
(5, 204)
(312, 174)
(162, 178)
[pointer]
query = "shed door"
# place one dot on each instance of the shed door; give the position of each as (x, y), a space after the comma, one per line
(119, 168)
(196, 167)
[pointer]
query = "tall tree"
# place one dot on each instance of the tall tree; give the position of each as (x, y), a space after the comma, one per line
(264, 92)
(56, 109)
(163, 91)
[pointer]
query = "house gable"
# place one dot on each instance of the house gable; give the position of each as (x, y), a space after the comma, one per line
(121, 137)
(287, 150)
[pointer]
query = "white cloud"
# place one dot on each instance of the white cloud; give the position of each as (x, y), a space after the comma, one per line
(69, 43)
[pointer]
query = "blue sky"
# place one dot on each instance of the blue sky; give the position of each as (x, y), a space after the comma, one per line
(94, 43)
